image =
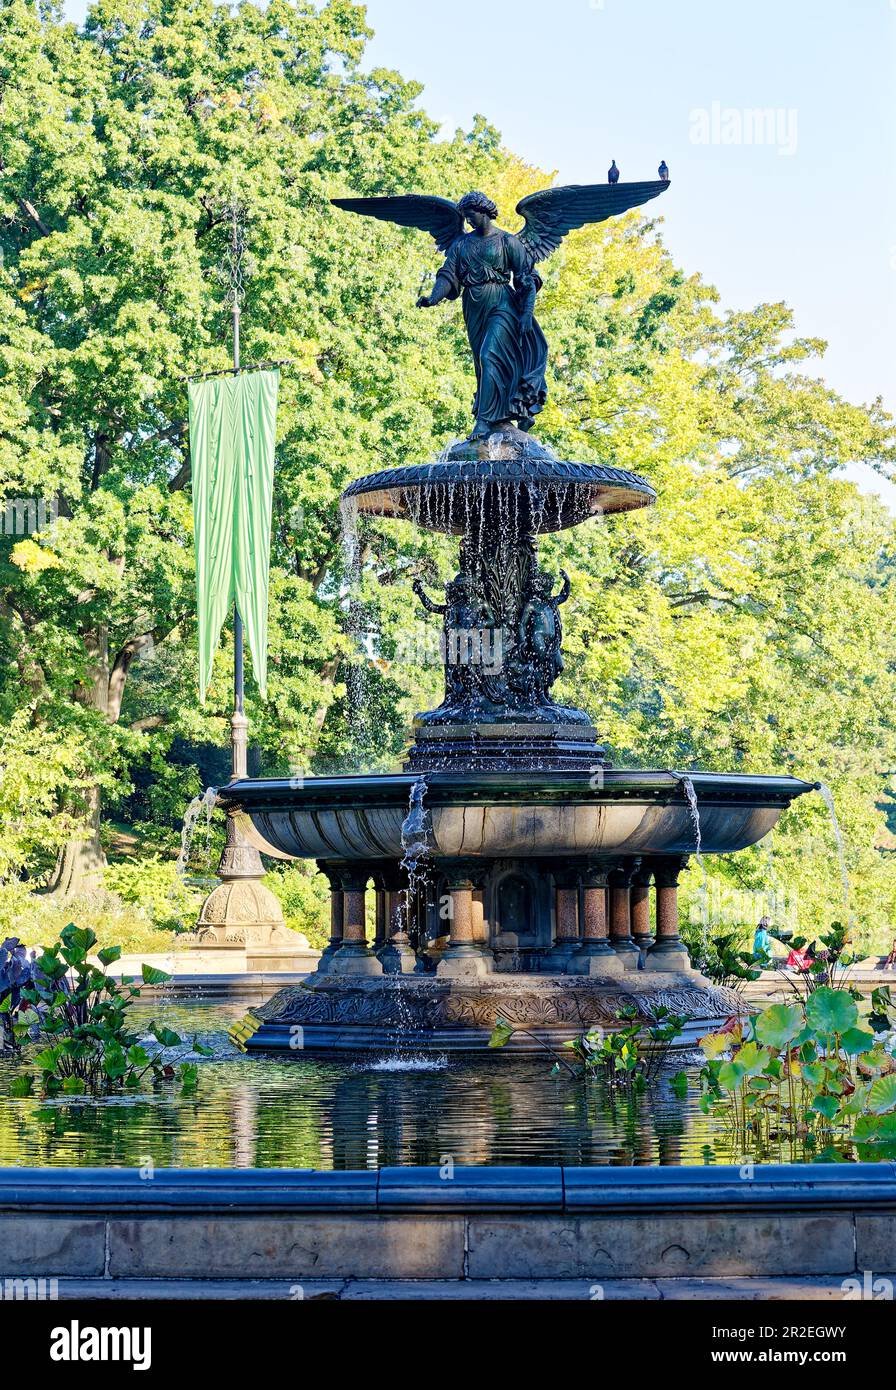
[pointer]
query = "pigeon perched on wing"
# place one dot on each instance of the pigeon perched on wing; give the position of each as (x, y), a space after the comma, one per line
(663, 171)
(613, 173)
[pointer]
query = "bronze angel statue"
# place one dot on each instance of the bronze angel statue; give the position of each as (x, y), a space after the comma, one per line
(494, 273)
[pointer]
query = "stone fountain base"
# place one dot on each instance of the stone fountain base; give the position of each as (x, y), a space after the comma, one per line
(437, 1014)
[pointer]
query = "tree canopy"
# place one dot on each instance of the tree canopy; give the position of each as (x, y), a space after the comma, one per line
(744, 623)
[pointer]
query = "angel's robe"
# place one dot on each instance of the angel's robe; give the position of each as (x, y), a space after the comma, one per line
(497, 280)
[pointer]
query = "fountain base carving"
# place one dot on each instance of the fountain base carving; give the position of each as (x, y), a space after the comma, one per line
(438, 1014)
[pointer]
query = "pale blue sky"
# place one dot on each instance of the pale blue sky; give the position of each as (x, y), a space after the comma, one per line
(804, 213)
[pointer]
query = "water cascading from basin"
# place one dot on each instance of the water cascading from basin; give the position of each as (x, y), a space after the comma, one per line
(827, 797)
(687, 787)
(199, 806)
(415, 854)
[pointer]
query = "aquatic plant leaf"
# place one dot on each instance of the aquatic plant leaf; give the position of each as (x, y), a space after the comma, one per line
(855, 1041)
(152, 976)
(730, 1075)
(815, 1073)
(679, 1084)
(77, 938)
(882, 1096)
(501, 1033)
(48, 1058)
(866, 1127)
(166, 1036)
(714, 1044)
(779, 1024)
(831, 1011)
(21, 1086)
(752, 1058)
(826, 1105)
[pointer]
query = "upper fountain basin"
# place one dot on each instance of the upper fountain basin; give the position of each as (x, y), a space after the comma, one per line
(496, 814)
(508, 476)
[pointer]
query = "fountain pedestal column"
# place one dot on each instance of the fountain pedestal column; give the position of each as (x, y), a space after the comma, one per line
(595, 955)
(639, 904)
(354, 956)
(668, 951)
(566, 934)
(620, 915)
(464, 955)
(337, 912)
(396, 956)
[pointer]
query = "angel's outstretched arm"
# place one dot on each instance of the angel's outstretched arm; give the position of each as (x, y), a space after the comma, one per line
(427, 602)
(447, 283)
(565, 588)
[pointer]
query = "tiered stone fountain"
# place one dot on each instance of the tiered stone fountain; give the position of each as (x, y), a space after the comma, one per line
(515, 874)
(540, 859)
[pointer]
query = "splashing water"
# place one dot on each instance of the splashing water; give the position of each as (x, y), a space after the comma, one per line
(357, 673)
(444, 454)
(415, 853)
(687, 786)
(421, 1063)
(827, 797)
(415, 837)
(204, 803)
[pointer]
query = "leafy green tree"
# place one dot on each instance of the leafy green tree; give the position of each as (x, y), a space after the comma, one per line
(121, 148)
(744, 623)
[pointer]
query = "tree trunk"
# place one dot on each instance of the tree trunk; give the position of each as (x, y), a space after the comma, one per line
(80, 863)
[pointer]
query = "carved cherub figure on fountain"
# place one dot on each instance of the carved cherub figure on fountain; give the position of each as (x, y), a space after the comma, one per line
(539, 657)
(468, 623)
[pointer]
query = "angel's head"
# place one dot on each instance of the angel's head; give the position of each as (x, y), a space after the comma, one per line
(477, 209)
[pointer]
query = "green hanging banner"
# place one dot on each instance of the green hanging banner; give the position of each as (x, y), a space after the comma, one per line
(233, 422)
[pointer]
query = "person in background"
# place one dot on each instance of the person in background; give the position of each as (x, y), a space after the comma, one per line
(802, 958)
(762, 944)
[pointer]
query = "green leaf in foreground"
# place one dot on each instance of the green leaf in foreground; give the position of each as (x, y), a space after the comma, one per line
(831, 1011)
(166, 1036)
(152, 976)
(501, 1033)
(779, 1024)
(882, 1096)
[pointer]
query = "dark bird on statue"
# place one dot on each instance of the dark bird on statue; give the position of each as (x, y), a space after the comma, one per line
(613, 173)
(663, 171)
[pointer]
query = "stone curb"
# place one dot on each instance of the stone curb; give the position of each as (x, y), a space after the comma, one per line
(820, 1187)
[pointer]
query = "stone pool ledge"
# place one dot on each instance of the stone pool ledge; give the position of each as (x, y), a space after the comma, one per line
(107, 1226)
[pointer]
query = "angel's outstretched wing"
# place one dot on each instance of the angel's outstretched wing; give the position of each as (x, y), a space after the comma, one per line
(438, 216)
(553, 212)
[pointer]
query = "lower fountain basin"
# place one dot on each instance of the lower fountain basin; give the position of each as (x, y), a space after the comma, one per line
(488, 814)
